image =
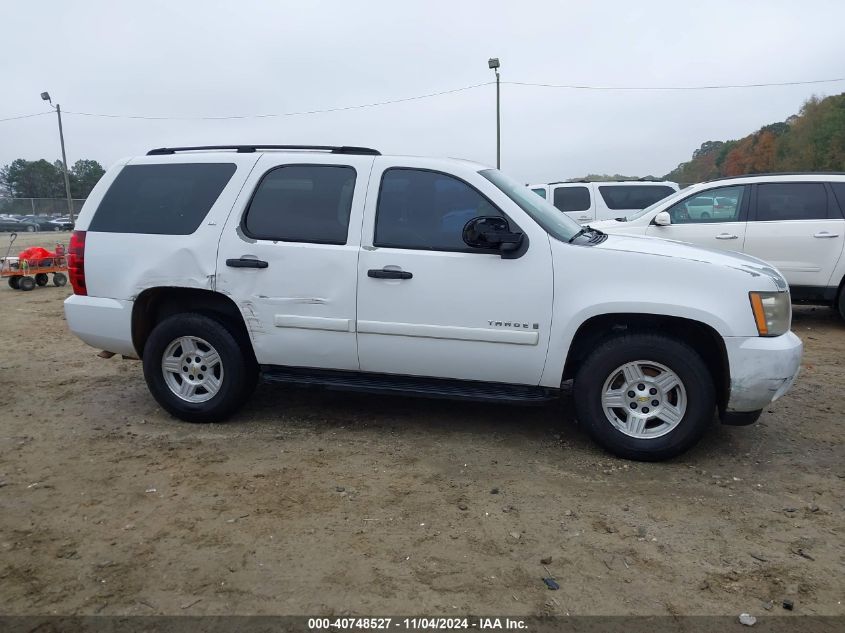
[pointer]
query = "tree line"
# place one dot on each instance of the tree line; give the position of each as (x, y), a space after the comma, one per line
(812, 140)
(43, 179)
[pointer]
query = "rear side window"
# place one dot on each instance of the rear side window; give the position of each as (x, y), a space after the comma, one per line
(572, 198)
(839, 190)
(171, 199)
(302, 203)
(540, 192)
(633, 196)
(791, 201)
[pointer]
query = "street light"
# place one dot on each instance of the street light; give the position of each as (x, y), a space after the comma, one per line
(493, 64)
(45, 96)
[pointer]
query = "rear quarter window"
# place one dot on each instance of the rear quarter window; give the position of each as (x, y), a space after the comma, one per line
(168, 199)
(633, 196)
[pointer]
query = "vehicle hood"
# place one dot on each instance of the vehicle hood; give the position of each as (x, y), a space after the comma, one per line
(609, 225)
(681, 250)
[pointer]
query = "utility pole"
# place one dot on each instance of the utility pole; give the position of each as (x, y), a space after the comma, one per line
(494, 64)
(46, 97)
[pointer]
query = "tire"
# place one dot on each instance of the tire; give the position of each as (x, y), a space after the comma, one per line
(840, 304)
(59, 279)
(13, 282)
(30, 229)
(705, 215)
(57, 228)
(26, 283)
(41, 279)
(675, 424)
(235, 372)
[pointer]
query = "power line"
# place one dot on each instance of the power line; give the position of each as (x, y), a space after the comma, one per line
(25, 116)
(712, 87)
(430, 95)
(282, 114)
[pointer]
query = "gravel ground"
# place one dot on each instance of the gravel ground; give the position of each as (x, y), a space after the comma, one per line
(311, 502)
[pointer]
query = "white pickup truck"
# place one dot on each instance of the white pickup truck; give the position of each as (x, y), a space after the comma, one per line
(340, 267)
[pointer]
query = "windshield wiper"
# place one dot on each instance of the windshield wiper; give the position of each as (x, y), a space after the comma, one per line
(582, 231)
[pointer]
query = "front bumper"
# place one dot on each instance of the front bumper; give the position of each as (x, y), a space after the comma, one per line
(762, 369)
(102, 323)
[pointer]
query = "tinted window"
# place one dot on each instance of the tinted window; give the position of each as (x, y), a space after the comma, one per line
(302, 203)
(167, 199)
(633, 196)
(426, 210)
(572, 198)
(540, 192)
(713, 205)
(839, 190)
(791, 201)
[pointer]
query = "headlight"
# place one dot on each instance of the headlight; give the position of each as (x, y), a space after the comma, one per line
(772, 312)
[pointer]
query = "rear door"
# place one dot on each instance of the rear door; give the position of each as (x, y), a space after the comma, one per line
(576, 200)
(715, 218)
(798, 227)
(288, 257)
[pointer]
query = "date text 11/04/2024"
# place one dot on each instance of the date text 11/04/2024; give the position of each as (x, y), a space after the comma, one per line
(416, 623)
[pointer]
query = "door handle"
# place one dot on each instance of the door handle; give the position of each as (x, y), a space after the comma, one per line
(246, 262)
(584, 217)
(386, 273)
(825, 234)
(726, 236)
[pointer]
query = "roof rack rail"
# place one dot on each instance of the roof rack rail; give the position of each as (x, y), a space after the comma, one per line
(779, 173)
(249, 149)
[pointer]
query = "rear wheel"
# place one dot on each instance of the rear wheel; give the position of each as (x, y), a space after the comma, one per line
(26, 283)
(196, 369)
(13, 282)
(41, 279)
(841, 302)
(59, 279)
(644, 396)
(30, 229)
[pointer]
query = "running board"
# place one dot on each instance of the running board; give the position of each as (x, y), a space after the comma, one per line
(413, 386)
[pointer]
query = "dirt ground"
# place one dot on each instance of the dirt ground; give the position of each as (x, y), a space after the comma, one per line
(312, 502)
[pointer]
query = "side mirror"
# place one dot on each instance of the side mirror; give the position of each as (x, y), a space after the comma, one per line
(663, 219)
(491, 233)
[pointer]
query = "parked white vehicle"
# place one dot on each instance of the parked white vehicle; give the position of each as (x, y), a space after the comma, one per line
(421, 277)
(794, 221)
(586, 201)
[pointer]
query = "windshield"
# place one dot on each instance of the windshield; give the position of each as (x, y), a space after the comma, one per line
(642, 212)
(557, 224)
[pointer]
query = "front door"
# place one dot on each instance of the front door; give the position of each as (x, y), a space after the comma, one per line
(714, 218)
(288, 257)
(428, 305)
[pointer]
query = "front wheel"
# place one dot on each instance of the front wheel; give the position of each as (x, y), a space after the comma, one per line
(644, 396)
(195, 368)
(41, 279)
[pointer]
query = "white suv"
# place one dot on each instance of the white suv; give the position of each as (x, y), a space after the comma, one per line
(794, 221)
(587, 201)
(416, 276)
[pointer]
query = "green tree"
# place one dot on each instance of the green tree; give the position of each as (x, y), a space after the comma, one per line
(41, 179)
(32, 179)
(83, 176)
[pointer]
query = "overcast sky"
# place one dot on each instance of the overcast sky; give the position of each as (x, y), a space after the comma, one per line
(205, 58)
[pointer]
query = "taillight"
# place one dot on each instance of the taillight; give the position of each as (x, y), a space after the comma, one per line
(76, 262)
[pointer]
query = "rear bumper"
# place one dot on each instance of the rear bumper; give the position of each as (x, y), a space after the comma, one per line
(762, 370)
(102, 323)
